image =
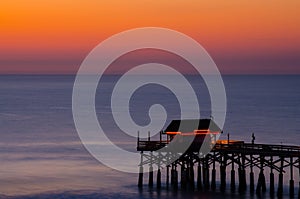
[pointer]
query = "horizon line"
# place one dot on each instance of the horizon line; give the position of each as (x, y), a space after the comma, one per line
(117, 74)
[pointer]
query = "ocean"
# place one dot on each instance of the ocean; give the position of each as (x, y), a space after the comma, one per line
(41, 155)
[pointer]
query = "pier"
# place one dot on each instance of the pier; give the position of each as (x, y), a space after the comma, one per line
(248, 165)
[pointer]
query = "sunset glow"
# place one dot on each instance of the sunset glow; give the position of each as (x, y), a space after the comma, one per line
(243, 37)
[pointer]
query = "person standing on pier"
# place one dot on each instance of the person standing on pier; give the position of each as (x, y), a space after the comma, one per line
(253, 138)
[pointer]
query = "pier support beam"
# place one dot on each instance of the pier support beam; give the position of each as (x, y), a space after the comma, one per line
(150, 176)
(213, 175)
(158, 179)
(261, 184)
(183, 179)
(280, 178)
(299, 179)
(199, 177)
(232, 179)
(174, 177)
(251, 175)
(242, 176)
(223, 174)
(272, 186)
(206, 173)
(291, 178)
(191, 176)
(150, 183)
(168, 177)
(141, 173)
(158, 175)
(242, 180)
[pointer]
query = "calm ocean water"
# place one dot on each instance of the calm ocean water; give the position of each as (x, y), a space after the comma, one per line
(42, 157)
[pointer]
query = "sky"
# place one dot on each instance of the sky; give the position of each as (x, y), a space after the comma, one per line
(242, 37)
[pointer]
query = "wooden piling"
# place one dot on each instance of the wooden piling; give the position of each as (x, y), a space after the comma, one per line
(174, 177)
(251, 175)
(141, 173)
(213, 175)
(150, 183)
(292, 189)
(183, 179)
(168, 177)
(280, 178)
(243, 188)
(241, 179)
(299, 178)
(158, 175)
(251, 182)
(223, 174)
(158, 179)
(232, 180)
(242, 182)
(272, 184)
(199, 177)
(191, 176)
(261, 184)
(205, 173)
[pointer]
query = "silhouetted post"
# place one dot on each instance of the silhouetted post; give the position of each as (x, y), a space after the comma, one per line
(168, 176)
(199, 177)
(251, 175)
(151, 171)
(261, 184)
(299, 179)
(241, 174)
(183, 176)
(206, 173)
(158, 175)
(232, 180)
(292, 178)
(138, 139)
(223, 174)
(244, 181)
(168, 170)
(174, 177)
(141, 172)
(160, 136)
(158, 179)
(280, 179)
(228, 138)
(213, 175)
(191, 176)
(272, 187)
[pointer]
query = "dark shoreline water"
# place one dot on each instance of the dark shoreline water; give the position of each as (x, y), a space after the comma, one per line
(42, 157)
(146, 193)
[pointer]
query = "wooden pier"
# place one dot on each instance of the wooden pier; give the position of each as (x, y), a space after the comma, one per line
(240, 160)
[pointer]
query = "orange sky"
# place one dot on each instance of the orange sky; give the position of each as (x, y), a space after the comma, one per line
(241, 36)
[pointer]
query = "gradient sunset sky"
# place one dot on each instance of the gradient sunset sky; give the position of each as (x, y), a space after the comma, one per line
(243, 37)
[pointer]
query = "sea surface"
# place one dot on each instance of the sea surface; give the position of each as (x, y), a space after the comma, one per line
(41, 155)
